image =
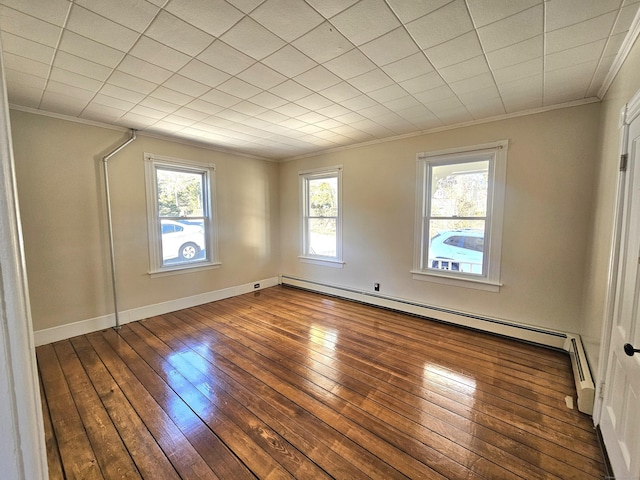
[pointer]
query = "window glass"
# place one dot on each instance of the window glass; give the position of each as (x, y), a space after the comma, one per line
(458, 210)
(322, 237)
(474, 243)
(321, 232)
(323, 213)
(459, 190)
(180, 196)
(460, 224)
(451, 240)
(180, 214)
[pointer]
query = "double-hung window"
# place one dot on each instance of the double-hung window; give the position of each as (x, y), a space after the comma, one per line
(459, 210)
(180, 211)
(321, 235)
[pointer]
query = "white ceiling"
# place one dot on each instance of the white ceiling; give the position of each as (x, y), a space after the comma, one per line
(281, 78)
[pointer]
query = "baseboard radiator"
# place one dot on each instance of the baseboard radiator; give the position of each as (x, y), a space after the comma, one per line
(549, 338)
(581, 374)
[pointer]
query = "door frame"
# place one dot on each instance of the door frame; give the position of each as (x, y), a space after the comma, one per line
(23, 454)
(629, 112)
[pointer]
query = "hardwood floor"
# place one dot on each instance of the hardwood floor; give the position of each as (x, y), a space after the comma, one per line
(285, 383)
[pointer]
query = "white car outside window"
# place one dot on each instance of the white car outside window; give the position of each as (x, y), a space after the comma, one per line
(458, 250)
(181, 241)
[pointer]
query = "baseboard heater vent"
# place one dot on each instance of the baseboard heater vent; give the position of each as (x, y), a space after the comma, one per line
(526, 333)
(559, 340)
(581, 374)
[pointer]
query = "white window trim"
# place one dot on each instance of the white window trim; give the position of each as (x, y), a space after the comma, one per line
(304, 257)
(156, 268)
(495, 216)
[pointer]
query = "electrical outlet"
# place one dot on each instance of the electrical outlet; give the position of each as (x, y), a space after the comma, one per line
(256, 285)
(376, 287)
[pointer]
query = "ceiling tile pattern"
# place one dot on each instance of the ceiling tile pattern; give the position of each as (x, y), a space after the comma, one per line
(281, 78)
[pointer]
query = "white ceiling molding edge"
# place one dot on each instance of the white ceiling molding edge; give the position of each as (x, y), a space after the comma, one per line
(193, 143)
(575, 103)
(629, 40)
(157, 136)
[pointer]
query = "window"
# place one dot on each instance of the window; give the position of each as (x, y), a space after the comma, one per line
(180, 214)
(321, 216)
(459, 213)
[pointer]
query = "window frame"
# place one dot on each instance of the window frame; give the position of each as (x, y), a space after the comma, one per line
(314, 174)
(496, 154)
(157, 267)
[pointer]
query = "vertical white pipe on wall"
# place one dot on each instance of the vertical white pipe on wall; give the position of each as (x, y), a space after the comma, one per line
(107, 191)
(23, 454)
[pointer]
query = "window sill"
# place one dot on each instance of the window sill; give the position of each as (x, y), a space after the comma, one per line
(327, 262)
(180, 269)
(457, 280)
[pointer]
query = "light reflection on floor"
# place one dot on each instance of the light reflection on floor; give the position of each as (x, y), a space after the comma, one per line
(321, 335)
(322, 341)
(442, 375)
(466, 387)
(202, 377)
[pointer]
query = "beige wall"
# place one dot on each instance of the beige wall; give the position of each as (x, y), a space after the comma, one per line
(625, 85)
(59, 176)
(550, 178)
(561, 177)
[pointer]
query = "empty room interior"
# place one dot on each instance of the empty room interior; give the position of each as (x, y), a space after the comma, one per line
(320, 239)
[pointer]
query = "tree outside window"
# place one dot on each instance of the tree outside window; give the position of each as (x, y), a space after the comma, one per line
(459, 214)
(321, 231)
(180, 211)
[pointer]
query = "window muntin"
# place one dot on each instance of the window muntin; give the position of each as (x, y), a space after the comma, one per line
(459, 214)
(321, 215)
(180, 214)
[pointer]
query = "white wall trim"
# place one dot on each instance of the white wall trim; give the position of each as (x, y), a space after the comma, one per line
(519, 331)
(628, 42)
(157, 136)
(632, 109)
(612, 270)
(471, 123)
(546, 337)
(82, 327)
(22, 447)
(207, 146)
(569, 342)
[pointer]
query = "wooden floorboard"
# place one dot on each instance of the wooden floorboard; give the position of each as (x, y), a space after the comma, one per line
(54, 462)
(285, 383)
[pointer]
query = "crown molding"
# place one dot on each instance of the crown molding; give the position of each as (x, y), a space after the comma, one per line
(627, 44)
(140, 133)
(198, 144)
(471, 123)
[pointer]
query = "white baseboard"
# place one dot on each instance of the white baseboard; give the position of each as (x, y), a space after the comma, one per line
(527, 333)
(566, 341)
(62, 332)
